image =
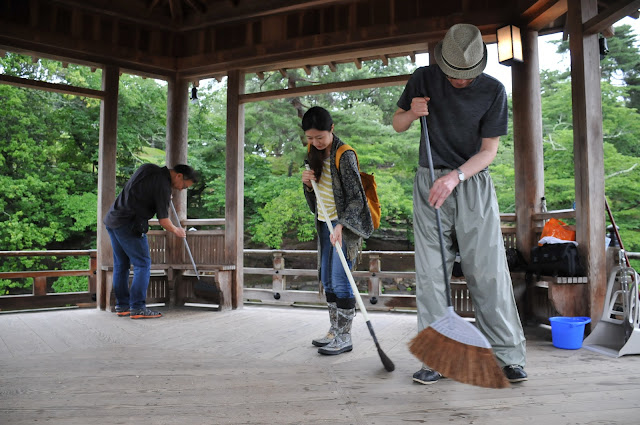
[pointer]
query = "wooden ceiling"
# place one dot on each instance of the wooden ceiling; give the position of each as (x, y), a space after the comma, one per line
(206, 38)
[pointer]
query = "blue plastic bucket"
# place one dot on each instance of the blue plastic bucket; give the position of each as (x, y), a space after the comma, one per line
(568, 332)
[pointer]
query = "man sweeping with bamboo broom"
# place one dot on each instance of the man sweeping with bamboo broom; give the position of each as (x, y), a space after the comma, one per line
(455, 209)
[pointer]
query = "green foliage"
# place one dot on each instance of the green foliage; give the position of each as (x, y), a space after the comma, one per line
(71, 283)
(49, 152)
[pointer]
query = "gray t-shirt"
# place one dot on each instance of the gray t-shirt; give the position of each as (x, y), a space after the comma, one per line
(458, 118)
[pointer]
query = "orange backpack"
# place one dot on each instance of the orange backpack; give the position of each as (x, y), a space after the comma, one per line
(369, 185)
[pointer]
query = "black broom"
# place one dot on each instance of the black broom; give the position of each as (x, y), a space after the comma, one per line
(386, 361)
(203, 288)
(451, 345)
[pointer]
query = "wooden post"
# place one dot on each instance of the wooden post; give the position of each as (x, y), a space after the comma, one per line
(527, 142)
(176, 153)
(278, 280)
(177, 134)
(40, 285)
(374, 280)
(588, 151)
(93, 264)
(234, 208)
(106, 178)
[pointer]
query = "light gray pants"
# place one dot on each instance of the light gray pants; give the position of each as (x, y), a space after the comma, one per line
(470, 215)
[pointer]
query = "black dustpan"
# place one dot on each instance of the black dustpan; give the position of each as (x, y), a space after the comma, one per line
(206, 286)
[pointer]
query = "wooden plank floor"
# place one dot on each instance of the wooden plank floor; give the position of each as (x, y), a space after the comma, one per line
(256, 366)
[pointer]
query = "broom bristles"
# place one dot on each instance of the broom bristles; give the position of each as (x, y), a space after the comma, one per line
(464, 363)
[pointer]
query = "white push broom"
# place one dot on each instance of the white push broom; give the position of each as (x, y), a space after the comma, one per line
(386, 361)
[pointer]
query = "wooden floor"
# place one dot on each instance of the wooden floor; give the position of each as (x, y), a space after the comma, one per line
(256, 366)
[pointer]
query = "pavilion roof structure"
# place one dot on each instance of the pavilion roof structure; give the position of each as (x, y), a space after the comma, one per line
(206, 38)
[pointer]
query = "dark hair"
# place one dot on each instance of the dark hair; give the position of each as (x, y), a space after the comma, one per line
(187, 172)
(316, 118)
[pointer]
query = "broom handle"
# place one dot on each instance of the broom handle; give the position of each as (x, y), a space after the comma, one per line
(615, 229)
(425, 134)
(186, 244)
(343, 260)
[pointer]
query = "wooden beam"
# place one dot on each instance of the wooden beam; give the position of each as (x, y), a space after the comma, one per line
(176, 144)
(396, 80)
(527, 142)
(197, 6)
(307, 69)
(333, 67)
(542, 13)
(107, 148)
(610, 16)
(588, 151)
(52, 87)
(234, 201)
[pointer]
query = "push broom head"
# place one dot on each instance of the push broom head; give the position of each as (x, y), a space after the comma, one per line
(457, 349)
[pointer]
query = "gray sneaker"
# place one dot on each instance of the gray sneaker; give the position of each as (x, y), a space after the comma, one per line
(144, 313)
(426, 376)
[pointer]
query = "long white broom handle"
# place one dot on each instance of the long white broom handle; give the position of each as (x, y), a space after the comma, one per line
(343, 260)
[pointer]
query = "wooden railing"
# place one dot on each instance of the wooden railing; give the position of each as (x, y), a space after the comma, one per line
(40, 297)
(381, 288)
(382, 285)
(172, 273)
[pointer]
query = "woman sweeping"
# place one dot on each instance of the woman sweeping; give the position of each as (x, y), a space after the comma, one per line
(344, 198)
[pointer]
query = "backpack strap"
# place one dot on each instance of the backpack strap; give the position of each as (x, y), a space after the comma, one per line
(342, 149)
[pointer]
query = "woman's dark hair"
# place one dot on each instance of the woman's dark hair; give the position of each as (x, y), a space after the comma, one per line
(316, 118)
(187, 172)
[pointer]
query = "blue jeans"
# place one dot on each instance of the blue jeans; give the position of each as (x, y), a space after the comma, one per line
(130, 249)
(332, 274)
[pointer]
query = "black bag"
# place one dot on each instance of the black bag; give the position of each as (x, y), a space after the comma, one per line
(139, 226)
(556, 259)
(515, 260)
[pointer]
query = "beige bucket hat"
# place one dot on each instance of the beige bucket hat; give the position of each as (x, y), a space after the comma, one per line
(462, 54)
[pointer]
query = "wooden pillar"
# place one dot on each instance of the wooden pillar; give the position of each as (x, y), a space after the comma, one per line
(527, 142)
(106, 178)
(177, 134)
(234, 209)
(374, 281)
(279, 280)
(176, 153)
(588, 150)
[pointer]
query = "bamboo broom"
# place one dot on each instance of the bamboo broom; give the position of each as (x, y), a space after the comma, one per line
(386, 361)
(451, 345)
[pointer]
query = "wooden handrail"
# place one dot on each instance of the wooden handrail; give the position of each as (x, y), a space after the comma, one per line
(44, 273)
(57, 253)
(195, 222)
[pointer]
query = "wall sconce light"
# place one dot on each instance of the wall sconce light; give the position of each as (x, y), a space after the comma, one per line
(194, 94)
(509, 45)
